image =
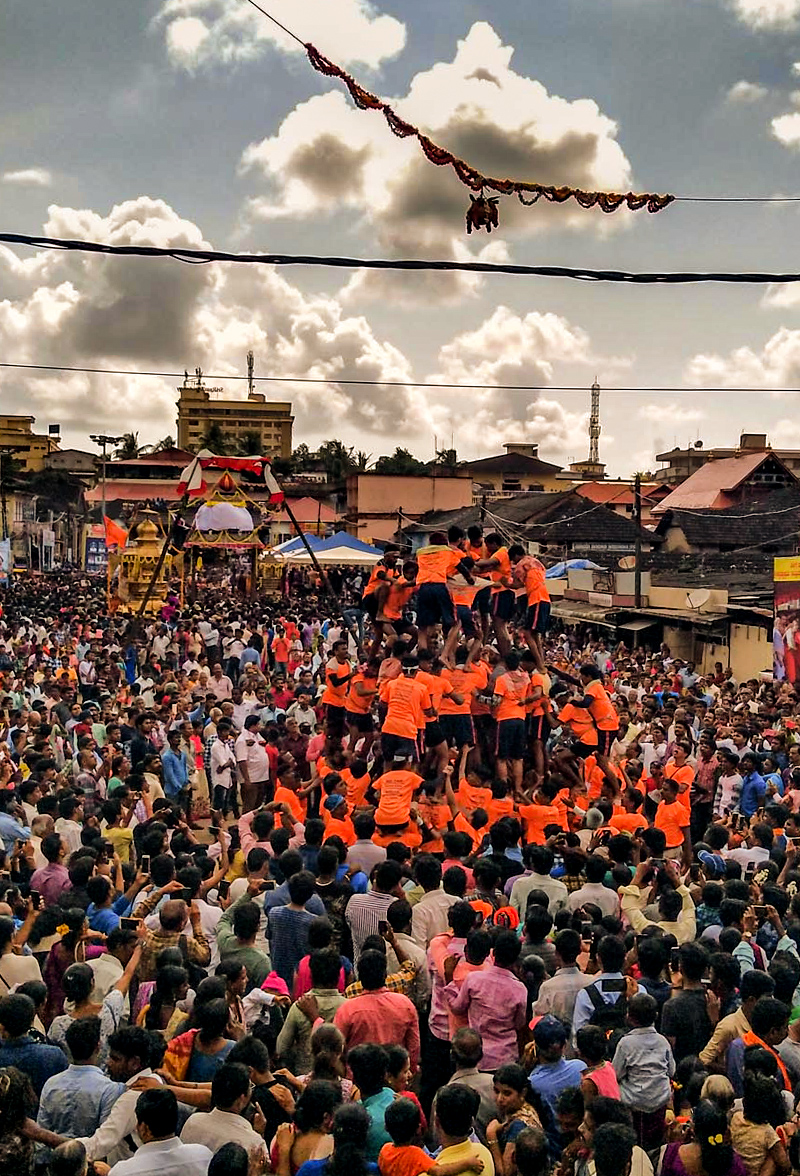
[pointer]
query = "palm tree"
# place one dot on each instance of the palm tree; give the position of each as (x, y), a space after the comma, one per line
(127, 448)
(249, 444)
(399, 462)
(362, 461)
(337, 458)
(215, 440)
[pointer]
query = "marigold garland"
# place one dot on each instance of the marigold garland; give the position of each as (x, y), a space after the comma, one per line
(527, 192)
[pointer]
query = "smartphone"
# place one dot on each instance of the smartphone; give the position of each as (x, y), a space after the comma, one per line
(214, 829)
(706, 982)
(269, 884)
(749, 873)
(587, 930)
(760, 912)
(36, 899)
(383, 926)
(657, 863)
(145, 863)
(223, 890)
(675, 959)
(129, 924)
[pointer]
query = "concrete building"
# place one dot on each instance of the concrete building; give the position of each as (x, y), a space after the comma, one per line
(18, 439)
(200, 407)
(730, 481)
(682, 463)
(519, 469)
(73, 461)
(378, 503)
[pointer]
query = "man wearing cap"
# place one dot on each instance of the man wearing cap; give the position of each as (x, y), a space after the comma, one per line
(253, 763)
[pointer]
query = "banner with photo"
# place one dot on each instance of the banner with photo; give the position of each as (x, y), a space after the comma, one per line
(786, 624)
(5, 560)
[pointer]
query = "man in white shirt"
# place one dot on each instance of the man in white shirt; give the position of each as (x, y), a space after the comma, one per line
(241, 708)
(429, 915)
(219, 684)
(162, 1153)
(593, 889)
(540, 860)
(129, 1059)
(70, 812)
(253, 761)
(223, 766)
(230, 1094)
(108, 968)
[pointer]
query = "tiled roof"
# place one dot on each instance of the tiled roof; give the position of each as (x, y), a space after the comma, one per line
(768, 518)
(712, 486)
(512, 463)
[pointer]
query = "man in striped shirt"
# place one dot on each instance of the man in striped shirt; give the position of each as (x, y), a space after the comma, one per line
(365, 911)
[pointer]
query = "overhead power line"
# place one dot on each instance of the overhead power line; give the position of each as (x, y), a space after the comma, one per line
(325, 380)
(203, 256)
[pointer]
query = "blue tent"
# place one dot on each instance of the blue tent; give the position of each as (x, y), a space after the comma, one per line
(342, 539)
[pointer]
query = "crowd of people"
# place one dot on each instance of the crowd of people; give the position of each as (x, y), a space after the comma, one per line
(425, 885)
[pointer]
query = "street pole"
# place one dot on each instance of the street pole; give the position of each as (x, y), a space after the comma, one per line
(637, 518)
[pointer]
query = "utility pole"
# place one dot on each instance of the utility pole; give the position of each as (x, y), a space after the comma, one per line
(637, 518)
(250, 365)
(103, 439)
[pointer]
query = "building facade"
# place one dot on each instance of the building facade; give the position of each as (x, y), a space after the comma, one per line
(18, 439)
(199, 408)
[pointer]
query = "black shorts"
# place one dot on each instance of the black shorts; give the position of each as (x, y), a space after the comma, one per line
(503, 604)
(362, 722)
(369, 604)
(464, 614)
(537, 728)
(604, 741)
(434, 735)
(435, 604)
(483, 601)
(334, 718)
(395, 746)
(511, 739)
(537, 617)
(459, 730)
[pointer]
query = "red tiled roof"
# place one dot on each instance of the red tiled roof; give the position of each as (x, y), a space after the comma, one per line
(307, 510)
(712, 486)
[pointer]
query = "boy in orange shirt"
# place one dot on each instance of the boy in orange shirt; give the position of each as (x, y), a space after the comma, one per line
(404, 1157)
(436, 562)
(503, 600)
(361, 690)
(511, 692)
(408, 706)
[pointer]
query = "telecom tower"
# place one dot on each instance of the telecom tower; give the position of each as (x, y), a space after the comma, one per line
(592, 470)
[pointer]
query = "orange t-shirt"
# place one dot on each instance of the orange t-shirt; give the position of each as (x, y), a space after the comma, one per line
(436, 563)
(336, 828)
(580, 723)
(684, 775)
(512, 689)
(335, 695)
(473, 796)
(437, 685)
(404, 1161)
(380, 575)
(356, 793)
(537, 817)
(280, 649)
(357, 704)
(295, 803)
(497, 808)
(628, 822)
(462, 825)
(538, 706)
(501, 573)
(395, 791)
(535, 584)
(476, 551)
(673, 819)
(464, 682)
(400, 593)
(602, 709)
(410, 836)
(407, 700)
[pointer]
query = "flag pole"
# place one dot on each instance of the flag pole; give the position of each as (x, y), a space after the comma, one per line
(168, 539)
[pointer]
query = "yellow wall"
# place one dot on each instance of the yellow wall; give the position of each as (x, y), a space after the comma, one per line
(548, 482)
(751, 651)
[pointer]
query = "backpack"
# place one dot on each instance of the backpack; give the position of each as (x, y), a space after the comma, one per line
(611, 1018)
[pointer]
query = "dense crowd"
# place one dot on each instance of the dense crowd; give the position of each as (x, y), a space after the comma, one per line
(420, 885)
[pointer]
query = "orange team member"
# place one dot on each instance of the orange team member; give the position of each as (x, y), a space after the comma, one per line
(288, 792)
(600, 707)
(395, 792)
(336, 816)
(397, 596)
(530, 573)
(384, 571)
(435, 564)
(498, 565)
(439, 687)
(435, 814)
(456, 718)
(357, 781)
(541, 812)
(361, 689)
(408, 705)
(681, 772)
(673, 819)
(629, 819)
(473, 826)
(338, 673)
(511, 691)
(538, 723)
(473, 786)
(476, 550)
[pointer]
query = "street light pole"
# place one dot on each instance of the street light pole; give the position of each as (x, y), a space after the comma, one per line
(103, 439)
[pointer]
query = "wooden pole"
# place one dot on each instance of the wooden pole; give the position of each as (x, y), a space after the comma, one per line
(171, 531)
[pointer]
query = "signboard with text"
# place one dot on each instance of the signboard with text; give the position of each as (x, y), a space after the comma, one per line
(786, 625)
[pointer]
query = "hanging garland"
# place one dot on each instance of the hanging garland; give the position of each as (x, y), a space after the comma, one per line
(482, 212)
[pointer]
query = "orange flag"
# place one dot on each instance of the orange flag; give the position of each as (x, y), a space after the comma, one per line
(116, 536)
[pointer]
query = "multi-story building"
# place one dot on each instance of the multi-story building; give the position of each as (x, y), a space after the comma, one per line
(18, 439)
(199, 408)
(682, 463)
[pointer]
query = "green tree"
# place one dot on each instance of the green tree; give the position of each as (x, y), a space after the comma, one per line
(362, 461)
(249, 444)
(337, 458)
(127, 448)
(300, 458)
(402, 461)
(215, 440)
(56, 490)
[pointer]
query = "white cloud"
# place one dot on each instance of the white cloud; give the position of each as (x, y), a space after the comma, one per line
(328, 156)
(36, 177)
(746, 92)
(669, 411)
(781, 297)
(200, 33)
(771, 15)
(786, 129)
(777, 365)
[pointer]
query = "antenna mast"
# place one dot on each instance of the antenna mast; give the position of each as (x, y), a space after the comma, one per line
(594, 425)
(250, 367)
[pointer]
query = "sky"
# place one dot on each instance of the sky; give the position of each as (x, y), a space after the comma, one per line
(197, 123)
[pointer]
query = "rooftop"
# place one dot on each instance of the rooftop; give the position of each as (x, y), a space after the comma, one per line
(713, 486)
(511, 463)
